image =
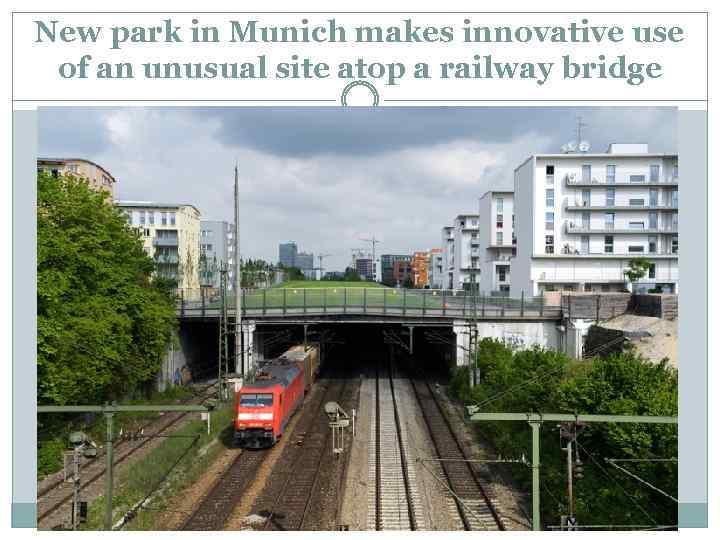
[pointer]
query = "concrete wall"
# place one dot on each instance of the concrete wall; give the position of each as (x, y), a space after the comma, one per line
(590, 306)
(520, 334)
(656, 305)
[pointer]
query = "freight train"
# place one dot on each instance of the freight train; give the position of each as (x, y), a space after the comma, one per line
(264, 406)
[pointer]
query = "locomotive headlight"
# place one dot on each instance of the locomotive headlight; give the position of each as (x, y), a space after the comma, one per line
(245, 416)
(265, 416)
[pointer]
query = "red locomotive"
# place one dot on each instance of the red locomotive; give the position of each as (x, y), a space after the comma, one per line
(264, 407)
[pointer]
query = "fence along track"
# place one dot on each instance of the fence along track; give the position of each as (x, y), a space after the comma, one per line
(53, 496)
(392, 493)
(290, 506)
(477, 510)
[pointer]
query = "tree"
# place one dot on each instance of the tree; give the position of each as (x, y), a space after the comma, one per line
(103, 322)
(637, 268)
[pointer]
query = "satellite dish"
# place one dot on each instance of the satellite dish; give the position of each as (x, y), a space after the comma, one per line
(572, 146)
(564, 148)
(584, 146)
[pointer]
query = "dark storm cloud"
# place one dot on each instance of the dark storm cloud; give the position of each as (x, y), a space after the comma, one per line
(367, 131)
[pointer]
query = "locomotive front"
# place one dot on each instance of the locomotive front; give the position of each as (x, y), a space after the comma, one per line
(255, 414)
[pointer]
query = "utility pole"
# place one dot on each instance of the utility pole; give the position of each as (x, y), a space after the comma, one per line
(223, 356)
(239, 349)
(373, 241)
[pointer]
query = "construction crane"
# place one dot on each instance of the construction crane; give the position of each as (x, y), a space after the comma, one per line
(321, 256)
(373, 241)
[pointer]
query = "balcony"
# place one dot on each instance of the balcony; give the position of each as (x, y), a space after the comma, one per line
(576, 228)
(575, 206)
(572, 180)
(165, 240)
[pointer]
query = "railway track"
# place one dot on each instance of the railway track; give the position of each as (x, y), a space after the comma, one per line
(215, 509)
(55, 495)
(290, 507)
(475, 507)
(394, 503)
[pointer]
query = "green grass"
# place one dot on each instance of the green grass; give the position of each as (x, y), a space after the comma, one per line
(328, 284)
(174, 465)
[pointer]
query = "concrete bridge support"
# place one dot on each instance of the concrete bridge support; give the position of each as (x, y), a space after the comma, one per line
(517, 334)
(251, 344)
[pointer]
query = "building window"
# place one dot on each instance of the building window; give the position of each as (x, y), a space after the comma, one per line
(499, 221)
(610, 174)
(610, 197)
(653, 197)
(550, 198)
(654, 173)
(653, 220)
(499, 238)
(550, 175)
(501, 273)
(604, 287)
(609, 221)
(586, 173)
(675, 172)
(652, 244)
(588, 287)
(151, 218)
(584, 245)
(549, 221)
(636, 249)
(651, 271)
(636, 225)
(674, 198)
(549, 243)
(72, 168)
(674, 246)
(172, 218)
(637, 202)
(163, 218)
(609, 244)
(146, 233)
(142, 217)
(499, 205)
(637, 178)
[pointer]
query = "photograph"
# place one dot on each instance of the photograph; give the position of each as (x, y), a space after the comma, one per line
(325, 318)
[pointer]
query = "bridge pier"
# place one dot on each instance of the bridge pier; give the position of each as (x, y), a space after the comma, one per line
(251, 343)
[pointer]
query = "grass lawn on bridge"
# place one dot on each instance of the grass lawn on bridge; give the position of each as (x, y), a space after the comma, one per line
(327, 284)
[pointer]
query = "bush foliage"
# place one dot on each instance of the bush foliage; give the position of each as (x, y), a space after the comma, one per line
(537, 380)
(103, 326)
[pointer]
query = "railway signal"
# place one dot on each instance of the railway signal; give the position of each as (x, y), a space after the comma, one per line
(82, 447)
(339, 420)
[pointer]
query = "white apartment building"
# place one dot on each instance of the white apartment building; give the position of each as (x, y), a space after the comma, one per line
(435, 269)
(581, 218)
(496, 232)
(466, 253)
(171, 236)
(447, 243)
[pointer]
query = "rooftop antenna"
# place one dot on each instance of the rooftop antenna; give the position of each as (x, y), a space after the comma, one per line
(578, 144)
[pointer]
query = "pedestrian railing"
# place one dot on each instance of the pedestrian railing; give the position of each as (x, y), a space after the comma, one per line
(365, 301)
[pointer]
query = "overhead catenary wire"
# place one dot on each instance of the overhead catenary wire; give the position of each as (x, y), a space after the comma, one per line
(607, 474)
(641, 480)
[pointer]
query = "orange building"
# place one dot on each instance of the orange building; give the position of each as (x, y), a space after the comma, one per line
(98, 177)
(420, 263)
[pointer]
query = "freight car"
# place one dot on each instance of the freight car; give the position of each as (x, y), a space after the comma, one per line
(264, 407)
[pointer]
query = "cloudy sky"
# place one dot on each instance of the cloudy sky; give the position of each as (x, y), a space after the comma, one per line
(327, 177)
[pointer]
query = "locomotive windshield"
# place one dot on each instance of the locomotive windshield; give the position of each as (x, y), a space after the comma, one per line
(256, 400)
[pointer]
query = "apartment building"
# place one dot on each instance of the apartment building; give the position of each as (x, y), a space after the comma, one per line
(171, 236)
(402, 271)
(420, 266)
(447, 241)
(387, 263)
(496, 232)
(217, 248)
(466, 256)
(581, 218)
(306, 263)
(98, 177)
(435, 270)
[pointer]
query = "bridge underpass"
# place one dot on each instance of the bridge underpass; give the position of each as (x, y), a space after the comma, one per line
(449, 331)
